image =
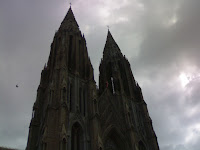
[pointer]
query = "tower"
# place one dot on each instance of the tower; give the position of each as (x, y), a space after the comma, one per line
(60, 112)
(71, 113)
(124, 119)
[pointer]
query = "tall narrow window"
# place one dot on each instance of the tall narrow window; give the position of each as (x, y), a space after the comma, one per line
(64, 94)
(80, 56)
(113, 87)
(70, 51)
(77, 142)
(84, 102)
(80, 99)
(51, 95)
(79, 49)
(33, 114)
(70, 98)
(68, 93)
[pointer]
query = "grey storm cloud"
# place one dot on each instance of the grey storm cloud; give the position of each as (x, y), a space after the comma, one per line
(169, 47)
(170, 42)
(160, 38)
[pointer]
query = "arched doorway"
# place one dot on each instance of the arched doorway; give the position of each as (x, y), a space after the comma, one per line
(77, 142)
(114, 141)
(141, 146)
(111, 144)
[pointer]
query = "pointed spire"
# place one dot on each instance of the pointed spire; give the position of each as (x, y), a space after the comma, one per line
(111, 48)
(69, 21)
(110, 38)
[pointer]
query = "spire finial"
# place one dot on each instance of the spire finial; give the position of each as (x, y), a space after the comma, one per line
(108, 27)
(70, 4)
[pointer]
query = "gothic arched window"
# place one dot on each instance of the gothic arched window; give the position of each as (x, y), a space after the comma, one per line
(51, 95)
(69, 96)
(114, 141)
(84, 102)
(33, 113)
(141, 146)
(80, 56)
(70, 51)
(77, 142)
(80, 99)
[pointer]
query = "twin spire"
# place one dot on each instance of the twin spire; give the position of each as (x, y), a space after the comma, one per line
(70, 16)
(111, 48)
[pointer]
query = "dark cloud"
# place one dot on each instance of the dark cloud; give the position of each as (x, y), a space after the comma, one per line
(160, 39)
(170, 43)
(167, 50)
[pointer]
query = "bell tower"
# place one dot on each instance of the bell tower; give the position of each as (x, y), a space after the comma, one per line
(115, 71)
(124, 118)
(61, 110)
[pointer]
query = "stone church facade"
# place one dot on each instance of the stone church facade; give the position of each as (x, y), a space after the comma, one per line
(71, 113)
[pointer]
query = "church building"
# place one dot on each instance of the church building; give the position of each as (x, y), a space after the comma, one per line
(71, 113)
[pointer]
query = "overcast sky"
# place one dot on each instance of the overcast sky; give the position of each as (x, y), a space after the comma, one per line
(161, 39)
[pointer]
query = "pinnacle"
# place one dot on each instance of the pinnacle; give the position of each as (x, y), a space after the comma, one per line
(70, 14)
(69, 20)
(111, 48)
(109, 36)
